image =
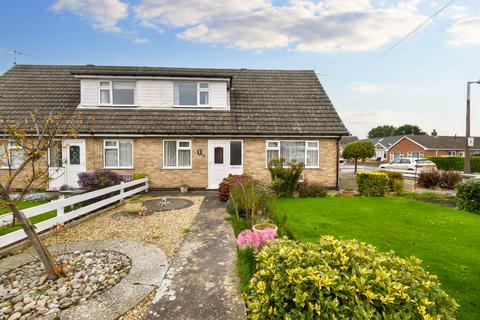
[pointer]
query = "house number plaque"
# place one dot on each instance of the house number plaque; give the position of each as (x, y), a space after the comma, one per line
(199, 152)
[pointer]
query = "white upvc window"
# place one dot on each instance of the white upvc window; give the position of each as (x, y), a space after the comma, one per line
(415, 155)
(177, 154)
(307, 152)
(118, 154)
(396, 155)
(11, 155)
(452, 153)
(117, 93)
(461, 154)
(192, 94)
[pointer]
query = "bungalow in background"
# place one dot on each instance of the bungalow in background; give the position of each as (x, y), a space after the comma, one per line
(180, 125)
(415, 146)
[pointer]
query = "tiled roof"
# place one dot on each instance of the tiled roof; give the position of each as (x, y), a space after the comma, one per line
(262, 102)
(444, 142)
(387, 142)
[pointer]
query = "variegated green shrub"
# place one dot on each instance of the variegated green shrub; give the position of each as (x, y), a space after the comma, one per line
(340, 279)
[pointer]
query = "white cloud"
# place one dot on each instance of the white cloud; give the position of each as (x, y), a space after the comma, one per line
(365, 87)
(103, 14)
(304, 25)
(465, 31)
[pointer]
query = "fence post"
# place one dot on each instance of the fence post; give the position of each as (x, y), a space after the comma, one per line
(146, 184)
(60, 211)
(122, 190)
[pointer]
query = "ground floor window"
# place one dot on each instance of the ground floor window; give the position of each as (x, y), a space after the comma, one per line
(396, 155)
(177, 154)
(415, 155)
(306, 152)
(452, 153)
(55, 159)
(118, 153)
(11, 155)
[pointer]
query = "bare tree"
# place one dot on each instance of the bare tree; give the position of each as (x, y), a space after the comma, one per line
(26, 143)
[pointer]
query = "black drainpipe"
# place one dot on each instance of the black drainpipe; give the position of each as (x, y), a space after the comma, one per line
(337, 182)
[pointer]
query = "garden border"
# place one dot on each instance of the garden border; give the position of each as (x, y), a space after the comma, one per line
(149, 266)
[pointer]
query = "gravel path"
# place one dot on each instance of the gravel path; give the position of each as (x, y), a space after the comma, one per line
(164, 229)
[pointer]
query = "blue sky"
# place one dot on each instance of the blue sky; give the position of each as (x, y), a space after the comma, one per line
(421, 81)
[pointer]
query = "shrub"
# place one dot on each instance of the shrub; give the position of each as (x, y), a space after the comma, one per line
(285, 176)
(372, 184)
(226, 184)
(398, 187)
(249, 199)
(306, 190)
(99, 179)
(342, 279)
(468, 195)
(392, 177)
(455, 163)
(429, 179)
(449, 179)
(139, 175)
(254, 239)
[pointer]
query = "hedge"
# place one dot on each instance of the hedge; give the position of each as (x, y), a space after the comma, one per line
(455, 163)
(372, 184)
(342, 279)
(468, 195)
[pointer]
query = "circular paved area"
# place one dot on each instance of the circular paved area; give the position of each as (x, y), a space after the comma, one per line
(149, 265)
(156, 205)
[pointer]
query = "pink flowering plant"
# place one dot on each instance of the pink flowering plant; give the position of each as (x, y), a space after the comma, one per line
(255, 239)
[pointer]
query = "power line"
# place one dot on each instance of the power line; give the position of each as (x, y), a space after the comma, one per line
(417, 28)
(405, 37)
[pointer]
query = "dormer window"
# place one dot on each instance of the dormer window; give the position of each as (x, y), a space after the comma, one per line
(117, 93)
(192, 94)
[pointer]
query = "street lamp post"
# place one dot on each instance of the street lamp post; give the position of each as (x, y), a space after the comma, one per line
(466, 165)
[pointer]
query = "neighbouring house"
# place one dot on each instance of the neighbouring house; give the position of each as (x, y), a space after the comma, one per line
(181, 125)
(416, 146)
(382, 145)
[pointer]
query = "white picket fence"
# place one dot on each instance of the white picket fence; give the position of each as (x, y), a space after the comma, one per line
(60, 205)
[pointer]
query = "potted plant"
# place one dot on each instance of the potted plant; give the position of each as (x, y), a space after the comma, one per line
(133, 204)
(260, 227)
(348, 192)
(183, 188)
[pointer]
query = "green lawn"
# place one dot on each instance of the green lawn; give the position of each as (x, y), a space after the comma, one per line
(25, 205)
(447, 240)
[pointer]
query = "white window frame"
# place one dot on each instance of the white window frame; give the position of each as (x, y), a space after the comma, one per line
(198, 95)
(452, 153)
(278, 148)
(176, 156)
(10, 146)
(241, 158)
(110, 88)
(117, 147)
(400, 155)
(461, 153)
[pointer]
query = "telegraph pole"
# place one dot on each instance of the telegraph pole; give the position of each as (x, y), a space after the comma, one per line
(466, 165)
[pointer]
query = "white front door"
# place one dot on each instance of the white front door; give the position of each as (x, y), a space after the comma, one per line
(224, 157)
(75, 161)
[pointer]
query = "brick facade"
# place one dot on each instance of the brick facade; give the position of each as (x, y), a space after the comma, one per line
(405, 146)
(148, 158)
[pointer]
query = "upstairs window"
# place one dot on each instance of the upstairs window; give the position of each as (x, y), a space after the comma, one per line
(192, 94)
(120, 93)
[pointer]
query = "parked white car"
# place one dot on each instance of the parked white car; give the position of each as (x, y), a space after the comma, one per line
(408, 164)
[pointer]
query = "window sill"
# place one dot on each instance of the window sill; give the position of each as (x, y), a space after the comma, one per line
(177, 168)
(195, 106)
(119, 105)
(117, 167)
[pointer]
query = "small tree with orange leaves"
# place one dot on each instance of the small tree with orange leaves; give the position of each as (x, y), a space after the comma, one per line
(24, 146)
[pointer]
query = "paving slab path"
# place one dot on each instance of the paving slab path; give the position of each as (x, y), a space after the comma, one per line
(202, 283)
